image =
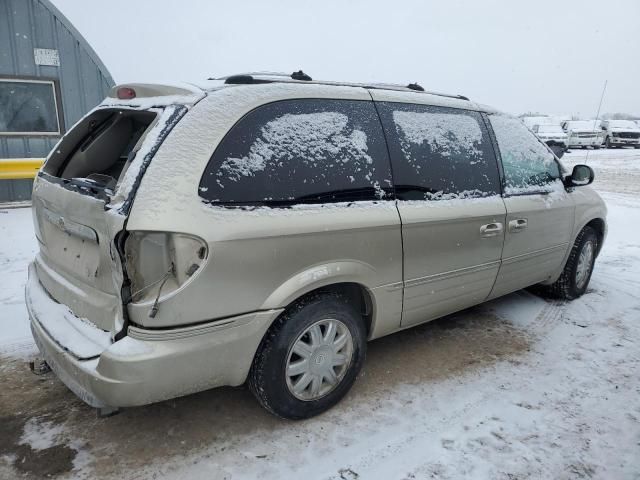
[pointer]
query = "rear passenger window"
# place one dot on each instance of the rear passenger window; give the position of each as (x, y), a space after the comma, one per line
(529, 166)
(300, 151)
(439, 153)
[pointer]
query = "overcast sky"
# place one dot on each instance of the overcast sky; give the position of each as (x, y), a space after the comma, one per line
(545, 55)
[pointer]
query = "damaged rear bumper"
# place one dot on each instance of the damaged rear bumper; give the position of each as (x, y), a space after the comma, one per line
(149, 365)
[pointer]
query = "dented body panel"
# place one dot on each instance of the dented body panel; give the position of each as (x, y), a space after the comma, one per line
(78, 263)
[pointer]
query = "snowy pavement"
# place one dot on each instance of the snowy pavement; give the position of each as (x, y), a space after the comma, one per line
(518, 388)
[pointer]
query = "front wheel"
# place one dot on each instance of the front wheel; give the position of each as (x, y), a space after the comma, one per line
(577, 272)
(309, 358)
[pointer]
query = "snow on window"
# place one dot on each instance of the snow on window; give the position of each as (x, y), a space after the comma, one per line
(301, 151)
(312, 138)
(439, 153)
(446, 134)
(527, 163)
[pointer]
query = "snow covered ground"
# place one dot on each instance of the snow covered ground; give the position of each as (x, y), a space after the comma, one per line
(517, 388)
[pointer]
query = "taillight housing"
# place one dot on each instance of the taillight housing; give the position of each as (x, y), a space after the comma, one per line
(160, 263)
(126, 93)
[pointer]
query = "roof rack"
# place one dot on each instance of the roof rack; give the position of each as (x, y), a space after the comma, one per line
(249, 78)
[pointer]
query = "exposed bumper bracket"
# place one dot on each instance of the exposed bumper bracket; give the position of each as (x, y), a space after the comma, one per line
(39, 366)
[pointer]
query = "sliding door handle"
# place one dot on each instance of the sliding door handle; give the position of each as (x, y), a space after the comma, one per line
(517, 225)
(491, 230)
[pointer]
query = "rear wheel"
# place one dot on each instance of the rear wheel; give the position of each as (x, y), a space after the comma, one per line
(596, 147)
(309, 358)
(575, 277)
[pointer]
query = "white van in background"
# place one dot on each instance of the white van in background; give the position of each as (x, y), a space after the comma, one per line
(583, 133)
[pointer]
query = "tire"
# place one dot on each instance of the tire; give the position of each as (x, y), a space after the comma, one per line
(596, 147)
(268, 378)
(572, 283)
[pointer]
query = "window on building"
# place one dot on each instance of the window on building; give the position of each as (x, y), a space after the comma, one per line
(301, 151)
(528, 165)
(28, 107)
(439, 153)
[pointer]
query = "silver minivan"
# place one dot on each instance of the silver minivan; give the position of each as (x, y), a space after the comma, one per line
(263, 228)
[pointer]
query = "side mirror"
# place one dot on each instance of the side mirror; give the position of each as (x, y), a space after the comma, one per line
(580, 176)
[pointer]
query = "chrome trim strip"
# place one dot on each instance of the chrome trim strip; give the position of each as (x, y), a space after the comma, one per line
(71, 227)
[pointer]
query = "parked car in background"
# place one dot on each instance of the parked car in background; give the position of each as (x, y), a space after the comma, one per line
(251, 230)
(621, 133)
(583, 133)
(551, 134)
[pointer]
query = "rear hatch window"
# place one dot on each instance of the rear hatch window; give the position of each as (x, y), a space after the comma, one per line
(106, 153)
(97, 152)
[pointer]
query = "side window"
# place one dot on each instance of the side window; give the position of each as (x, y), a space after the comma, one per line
(300, 151)
(528, 165)
(439, 153)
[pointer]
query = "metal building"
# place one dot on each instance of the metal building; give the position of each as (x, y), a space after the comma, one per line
(49, 78)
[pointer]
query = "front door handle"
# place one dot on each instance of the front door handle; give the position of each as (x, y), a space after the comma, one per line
(517, 225)
(491, 229)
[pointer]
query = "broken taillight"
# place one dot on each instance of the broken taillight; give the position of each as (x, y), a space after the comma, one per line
(126, 93)
(160, 263)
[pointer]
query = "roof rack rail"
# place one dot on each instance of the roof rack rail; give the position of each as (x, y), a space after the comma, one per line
(273, 77)
(250, 77)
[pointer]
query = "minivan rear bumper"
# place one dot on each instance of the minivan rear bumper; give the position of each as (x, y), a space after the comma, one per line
(152, 365)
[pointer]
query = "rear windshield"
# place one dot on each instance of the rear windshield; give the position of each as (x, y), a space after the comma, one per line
(100, 148)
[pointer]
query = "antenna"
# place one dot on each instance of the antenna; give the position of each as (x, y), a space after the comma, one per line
(597, 115)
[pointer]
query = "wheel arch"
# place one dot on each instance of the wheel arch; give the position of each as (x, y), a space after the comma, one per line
(600, 227)
(598, 224)
(345, 278)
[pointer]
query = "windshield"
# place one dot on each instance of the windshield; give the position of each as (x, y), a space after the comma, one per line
(582, 124)
(550, 129)
(623, 124)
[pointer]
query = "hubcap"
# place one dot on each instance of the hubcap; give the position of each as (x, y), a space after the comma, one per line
(585, 261)
(319, 359)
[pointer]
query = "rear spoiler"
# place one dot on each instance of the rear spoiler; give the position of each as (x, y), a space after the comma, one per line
(149, 95)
